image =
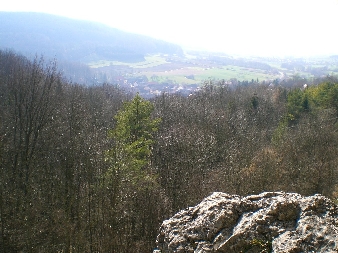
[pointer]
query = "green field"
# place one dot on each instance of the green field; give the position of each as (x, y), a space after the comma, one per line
(196, 70)
(240, 73)
(202, 74)
(150, 61)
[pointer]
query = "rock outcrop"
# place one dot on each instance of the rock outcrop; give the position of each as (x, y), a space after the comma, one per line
(268, 222)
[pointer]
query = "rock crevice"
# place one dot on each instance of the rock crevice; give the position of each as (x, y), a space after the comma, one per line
(268, 222)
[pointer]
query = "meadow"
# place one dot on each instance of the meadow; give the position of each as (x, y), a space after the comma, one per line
(200, 68)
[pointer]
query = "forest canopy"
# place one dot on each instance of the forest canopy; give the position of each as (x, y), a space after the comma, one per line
(97, 169)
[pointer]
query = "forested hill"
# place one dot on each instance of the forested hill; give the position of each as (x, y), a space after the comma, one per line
(91, 169)
(75, 40)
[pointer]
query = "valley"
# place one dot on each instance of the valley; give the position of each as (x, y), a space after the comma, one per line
(185, 74)
(90, 53)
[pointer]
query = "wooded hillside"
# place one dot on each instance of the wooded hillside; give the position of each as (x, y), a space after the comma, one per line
(95, 169)
(75, 40)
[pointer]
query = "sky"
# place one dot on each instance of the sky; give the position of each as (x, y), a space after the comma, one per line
(238, 27)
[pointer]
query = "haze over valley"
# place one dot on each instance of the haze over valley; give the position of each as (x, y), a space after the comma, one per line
(91, 53)
(280, 28)
(117, 115)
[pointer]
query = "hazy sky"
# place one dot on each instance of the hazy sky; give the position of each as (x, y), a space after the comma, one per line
(255, 27)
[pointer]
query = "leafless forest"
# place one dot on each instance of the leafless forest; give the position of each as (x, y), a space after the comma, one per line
(71, 182)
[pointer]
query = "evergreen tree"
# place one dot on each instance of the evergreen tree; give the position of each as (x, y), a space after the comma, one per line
(130, 180)
(133, 136)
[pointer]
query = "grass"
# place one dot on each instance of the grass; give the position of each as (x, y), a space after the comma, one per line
(240, 73)
(175, 72)
(179, 75)
(202, 74)
(164, 77)
(150, 61)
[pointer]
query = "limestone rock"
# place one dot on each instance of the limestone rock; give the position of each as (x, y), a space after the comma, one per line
(268, 222)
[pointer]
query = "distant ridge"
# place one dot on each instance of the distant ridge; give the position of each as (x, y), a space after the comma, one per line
(75, 40)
